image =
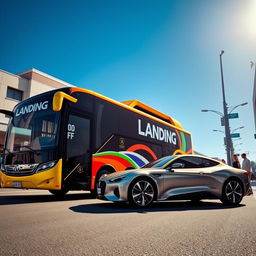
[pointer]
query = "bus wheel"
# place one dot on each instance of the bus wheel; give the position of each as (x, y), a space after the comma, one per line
(102, 173)
(59, 193)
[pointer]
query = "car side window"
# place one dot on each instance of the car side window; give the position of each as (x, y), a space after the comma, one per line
(177, 164)
(187, 162)
(209, 163)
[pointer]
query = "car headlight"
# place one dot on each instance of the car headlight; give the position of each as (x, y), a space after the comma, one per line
(117, 179)
(46, 166)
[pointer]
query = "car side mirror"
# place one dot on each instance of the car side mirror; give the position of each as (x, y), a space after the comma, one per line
(169, 169)
(177, 165)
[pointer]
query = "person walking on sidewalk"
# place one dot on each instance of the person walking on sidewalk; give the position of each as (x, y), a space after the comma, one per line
(246, 164)
(236, 163)
(253, 165)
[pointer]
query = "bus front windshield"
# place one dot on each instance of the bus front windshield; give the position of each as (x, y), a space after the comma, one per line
(33, 130)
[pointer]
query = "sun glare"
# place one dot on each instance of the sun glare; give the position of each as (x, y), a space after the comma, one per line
(251, 19)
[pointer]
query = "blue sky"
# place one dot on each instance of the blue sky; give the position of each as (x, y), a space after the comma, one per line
(163, 53)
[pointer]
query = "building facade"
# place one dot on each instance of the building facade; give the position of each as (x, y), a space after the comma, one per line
(17, 87)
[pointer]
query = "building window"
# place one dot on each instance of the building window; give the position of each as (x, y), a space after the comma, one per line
(14, 94)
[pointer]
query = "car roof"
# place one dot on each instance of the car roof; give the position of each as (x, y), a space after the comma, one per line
(194, 155)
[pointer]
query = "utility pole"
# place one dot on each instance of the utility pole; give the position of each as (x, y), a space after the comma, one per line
(229, 144)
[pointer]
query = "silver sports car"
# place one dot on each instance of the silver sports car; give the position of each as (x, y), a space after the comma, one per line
(176, 177)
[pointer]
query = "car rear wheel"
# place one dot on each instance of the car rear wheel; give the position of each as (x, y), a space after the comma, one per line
(141, 193)
(232, 192)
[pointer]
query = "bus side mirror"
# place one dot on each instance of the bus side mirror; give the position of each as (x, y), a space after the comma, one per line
(7, 112)
(58, 98)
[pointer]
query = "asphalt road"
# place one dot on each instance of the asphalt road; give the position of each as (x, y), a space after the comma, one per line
(33, 222)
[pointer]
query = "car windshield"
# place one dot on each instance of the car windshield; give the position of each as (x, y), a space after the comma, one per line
(33, 127)
(159, 162)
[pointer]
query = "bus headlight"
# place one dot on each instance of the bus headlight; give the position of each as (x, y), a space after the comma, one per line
(46, 166)
(3, 168)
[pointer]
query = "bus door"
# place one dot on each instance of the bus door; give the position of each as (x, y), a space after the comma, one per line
(78, 151)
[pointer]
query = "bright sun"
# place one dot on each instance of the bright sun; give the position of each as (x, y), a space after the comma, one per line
(250, 18)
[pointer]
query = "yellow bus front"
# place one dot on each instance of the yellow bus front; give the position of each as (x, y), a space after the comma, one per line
(32, 157)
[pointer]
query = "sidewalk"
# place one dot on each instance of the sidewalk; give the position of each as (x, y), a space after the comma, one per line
(253, 184)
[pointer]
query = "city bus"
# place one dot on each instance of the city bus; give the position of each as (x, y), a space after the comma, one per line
(66, 139)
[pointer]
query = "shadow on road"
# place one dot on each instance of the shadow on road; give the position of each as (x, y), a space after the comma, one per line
(109, 207)
(27, 199)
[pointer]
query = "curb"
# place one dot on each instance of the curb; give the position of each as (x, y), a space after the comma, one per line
(253, 185)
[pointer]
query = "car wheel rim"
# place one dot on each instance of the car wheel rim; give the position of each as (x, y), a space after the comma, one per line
(142, 193)
(234, 191)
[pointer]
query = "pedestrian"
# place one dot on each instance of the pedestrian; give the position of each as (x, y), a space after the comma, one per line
(246, 164)
(253, 165)
(236, 162)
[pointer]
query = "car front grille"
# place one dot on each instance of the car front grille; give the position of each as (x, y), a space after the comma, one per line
(102, 187)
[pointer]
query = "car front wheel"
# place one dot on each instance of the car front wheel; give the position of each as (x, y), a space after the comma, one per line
(141, 193)
(232, 192)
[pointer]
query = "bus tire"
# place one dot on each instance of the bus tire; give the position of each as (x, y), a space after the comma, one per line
(59, 193)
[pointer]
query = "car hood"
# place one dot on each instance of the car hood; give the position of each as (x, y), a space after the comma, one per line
(130, 172)
(118, 174)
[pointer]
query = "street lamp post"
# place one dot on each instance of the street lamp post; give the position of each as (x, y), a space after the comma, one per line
(225, 117)
(217, 131)
(242, 104)
(214, 111)
(229, 143)
(239, 128)
(232, 149)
